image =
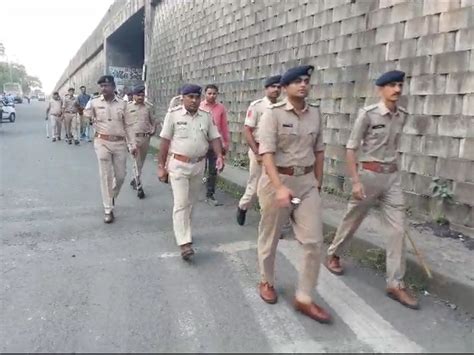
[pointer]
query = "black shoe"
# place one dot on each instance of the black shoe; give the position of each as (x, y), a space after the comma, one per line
(59, 138)
(212, 201)
(140, 193)
(54, 139)
(76, 142)
(241, 216)
(69, 141)
(133, 184)
(109, 217)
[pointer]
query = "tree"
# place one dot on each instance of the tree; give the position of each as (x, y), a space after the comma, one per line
(14, 72)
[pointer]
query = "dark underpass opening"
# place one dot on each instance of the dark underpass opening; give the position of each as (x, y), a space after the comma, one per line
(125, 53)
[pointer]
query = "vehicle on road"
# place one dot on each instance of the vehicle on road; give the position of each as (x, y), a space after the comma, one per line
(7, 111)
(41, 97)
(15, 90)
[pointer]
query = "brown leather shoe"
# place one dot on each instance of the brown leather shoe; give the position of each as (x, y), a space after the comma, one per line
(186, 251)
(401, 295)
(333, 264)
(312, 310)
(267, 292)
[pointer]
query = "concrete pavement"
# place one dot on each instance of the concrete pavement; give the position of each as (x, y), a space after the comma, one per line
(70, 283)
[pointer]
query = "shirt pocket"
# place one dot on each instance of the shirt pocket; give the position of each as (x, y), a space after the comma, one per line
(287, 135)
(181, 131)
(101, 113)
(378, 132)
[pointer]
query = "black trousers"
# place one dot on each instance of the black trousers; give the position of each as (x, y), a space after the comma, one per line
(211, 172)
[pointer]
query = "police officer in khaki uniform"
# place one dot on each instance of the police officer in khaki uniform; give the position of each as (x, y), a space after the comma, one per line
(70, 117)
(291, 143)
(252, 119)
(53, 113)
(376, 135)
(145, 127)
(185, 136)
(114, 129)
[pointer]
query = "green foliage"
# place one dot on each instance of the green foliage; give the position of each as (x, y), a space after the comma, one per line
(440, 189)
(16, 73)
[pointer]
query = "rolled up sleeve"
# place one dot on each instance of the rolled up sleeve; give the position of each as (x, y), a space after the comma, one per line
(167, 129)
(319, 144)
(213, 132)
(251, 117)
(358, 131)
(268, 132)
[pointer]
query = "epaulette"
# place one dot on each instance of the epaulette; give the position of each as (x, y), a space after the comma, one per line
(176, 108)
(148, 103)
(253, 103)
(200, 109)
(313, 104)
(278, 104)
(403, 109)
(370, 107)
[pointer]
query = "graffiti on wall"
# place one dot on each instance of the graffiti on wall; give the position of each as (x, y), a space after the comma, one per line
(126, 74)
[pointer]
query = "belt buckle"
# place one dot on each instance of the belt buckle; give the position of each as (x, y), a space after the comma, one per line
(298, 170)
(386, 168)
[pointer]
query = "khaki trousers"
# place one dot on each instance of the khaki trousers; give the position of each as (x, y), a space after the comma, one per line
(112, 158)
(307, 225)
(68, 119)
(186, 180)
(255, 171)
(56, 125)
(143, 143)
(383, 188)
(76, 127)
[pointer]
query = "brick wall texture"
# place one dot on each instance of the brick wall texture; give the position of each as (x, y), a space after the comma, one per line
(236, 44)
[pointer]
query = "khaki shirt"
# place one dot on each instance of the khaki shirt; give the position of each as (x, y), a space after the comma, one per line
(189, 135)
(69, 104)
(377, 132)
(254, 114)
(293, 139)
(112, 118)
(54, 107)
(142, 116)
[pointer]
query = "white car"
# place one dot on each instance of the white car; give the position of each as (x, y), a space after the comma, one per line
(8, 111)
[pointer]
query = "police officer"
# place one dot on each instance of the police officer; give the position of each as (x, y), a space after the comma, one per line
(185, 137)
(145, 127)
(291, 144)
(114, 131)
(252, 119)
(70, 117)
(375, 178)
(53, 112)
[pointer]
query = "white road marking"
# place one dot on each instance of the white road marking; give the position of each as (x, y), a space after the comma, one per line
(369, 327)
(278, 322)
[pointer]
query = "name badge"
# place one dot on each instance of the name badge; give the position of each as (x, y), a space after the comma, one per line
(289, 125)
(378, 126)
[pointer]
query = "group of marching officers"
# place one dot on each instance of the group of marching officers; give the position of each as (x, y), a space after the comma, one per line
(286, 153)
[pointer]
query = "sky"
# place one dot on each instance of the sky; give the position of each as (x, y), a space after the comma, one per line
(44, 35)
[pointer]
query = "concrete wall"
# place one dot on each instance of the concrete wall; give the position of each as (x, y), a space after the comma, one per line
(236, 44)
(89, 62)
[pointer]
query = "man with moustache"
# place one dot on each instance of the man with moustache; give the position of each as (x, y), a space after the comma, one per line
(375, 178)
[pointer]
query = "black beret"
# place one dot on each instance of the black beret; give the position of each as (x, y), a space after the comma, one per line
(71, 89)
(390, 77)
(191, 89)
(294, 73)
(139, 90)
(272, 80)
(106, 79)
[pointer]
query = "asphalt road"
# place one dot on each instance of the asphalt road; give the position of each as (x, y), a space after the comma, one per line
(70, 283)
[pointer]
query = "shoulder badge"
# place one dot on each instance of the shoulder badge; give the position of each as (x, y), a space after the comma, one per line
(370, 107)
(403, 109)
(253, 103)
(313, 104)
(278, 104)
(176, 108)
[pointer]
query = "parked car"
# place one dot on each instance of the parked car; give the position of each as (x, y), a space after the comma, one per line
(41, 97)
(8, 111)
